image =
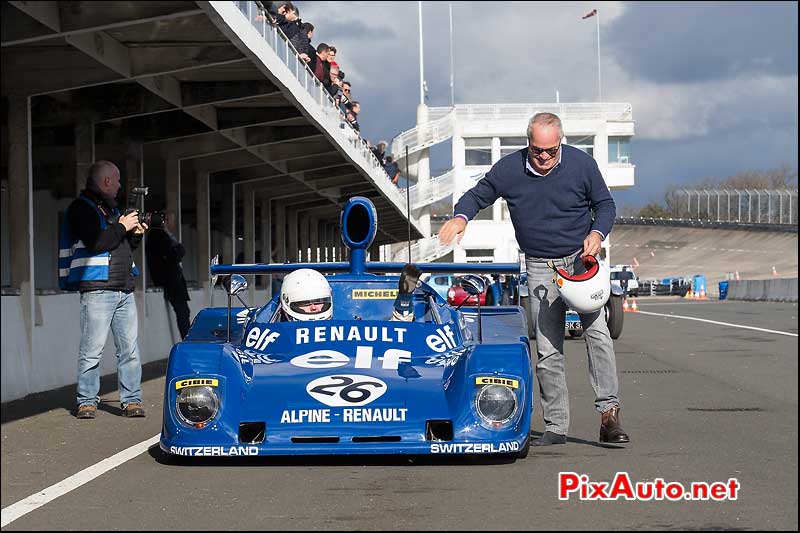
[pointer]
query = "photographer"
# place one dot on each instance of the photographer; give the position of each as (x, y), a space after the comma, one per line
(164, 254)
(96, 258)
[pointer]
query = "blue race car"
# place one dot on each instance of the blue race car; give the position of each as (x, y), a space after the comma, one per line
(452, 381)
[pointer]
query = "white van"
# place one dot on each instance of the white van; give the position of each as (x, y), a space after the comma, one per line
(621, 272)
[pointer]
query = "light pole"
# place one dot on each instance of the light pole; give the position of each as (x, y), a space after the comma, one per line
(421, 67)
(452, 85)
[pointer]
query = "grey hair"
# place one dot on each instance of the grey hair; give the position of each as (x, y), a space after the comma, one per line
(99, 170)
(545, 119)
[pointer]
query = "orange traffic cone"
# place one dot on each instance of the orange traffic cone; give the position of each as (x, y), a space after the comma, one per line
(702, 294)
(625, 308)
(634, 307)
(688, 294)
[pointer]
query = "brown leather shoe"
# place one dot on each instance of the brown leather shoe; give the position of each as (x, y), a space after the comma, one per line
(133, 410)
(86, 411)
(610, 429)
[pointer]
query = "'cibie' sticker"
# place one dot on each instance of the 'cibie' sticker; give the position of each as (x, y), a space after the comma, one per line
(374, 294)
(346, 390)
(512, 383)
(199, 382)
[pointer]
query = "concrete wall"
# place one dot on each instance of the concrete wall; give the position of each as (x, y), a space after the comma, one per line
(770, 290)
(54, 360)
(662, 251)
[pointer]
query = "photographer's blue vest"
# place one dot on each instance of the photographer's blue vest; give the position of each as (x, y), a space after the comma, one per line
(77, 263)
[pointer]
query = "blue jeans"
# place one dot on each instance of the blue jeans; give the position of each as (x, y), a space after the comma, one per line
(548, 312)
(99, 310)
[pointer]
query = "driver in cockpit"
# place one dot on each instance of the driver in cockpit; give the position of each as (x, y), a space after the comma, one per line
(306, 295)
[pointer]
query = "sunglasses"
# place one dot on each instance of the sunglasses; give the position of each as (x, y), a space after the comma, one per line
(536, 151)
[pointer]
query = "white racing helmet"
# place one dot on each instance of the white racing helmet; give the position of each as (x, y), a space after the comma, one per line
(302, 288)
(587, 292)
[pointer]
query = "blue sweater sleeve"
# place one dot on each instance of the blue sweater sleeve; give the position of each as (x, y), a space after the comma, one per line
(600, 201)
(482, 195)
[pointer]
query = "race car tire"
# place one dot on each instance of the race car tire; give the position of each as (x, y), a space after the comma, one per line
(614, 316)
(526, 305)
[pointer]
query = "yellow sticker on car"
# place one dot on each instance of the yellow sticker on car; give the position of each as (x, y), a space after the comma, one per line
(196, 382)
(494, 380)
(374, 294)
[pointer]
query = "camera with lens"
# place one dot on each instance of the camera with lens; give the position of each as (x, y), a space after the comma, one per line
(153, 219)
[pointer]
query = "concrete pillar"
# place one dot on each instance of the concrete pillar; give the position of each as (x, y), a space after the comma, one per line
(134, 177)
(335, 243)
(173, 190)
(423, 172)
(292, 246)
(279, 216)
(203, 253)
(249, 206)
(306, 251)
(374, 252)
(20, 207)
(266, 240)
(225, 224)
(329, 243)
(313, 230)
(84, 151)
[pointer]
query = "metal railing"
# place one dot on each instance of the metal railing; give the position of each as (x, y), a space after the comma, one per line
(423, 251)
(427, 192)
(607, 111)
(759, 206)
(441, 120)
(438, 128)
(331, 113)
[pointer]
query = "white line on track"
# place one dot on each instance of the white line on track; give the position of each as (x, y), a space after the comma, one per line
(720, 323)
(33, 502)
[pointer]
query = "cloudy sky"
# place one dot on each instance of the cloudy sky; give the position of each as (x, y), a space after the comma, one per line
(713, 85)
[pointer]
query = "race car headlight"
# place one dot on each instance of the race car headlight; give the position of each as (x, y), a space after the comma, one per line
(197, 405)
(496, 404)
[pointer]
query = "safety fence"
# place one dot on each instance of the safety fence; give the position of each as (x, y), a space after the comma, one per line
(759, 206)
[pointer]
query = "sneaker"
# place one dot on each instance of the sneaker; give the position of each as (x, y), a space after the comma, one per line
(86, 410)
(133, 410)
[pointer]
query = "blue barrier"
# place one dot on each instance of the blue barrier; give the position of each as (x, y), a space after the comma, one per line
(699, 283)
(723, 290)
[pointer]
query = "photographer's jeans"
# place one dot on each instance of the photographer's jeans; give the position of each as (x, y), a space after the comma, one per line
(99, 310)
(548, 312)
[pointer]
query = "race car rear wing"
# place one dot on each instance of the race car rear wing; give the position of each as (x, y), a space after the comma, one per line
(370, 266)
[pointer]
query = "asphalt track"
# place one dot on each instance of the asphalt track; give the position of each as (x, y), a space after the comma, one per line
(701, 401)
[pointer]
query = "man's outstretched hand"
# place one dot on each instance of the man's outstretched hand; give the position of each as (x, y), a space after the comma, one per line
(451, 229)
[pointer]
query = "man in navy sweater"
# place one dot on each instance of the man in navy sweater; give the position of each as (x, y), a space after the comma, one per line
(561, 210)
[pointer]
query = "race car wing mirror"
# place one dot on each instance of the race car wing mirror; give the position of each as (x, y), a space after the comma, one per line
(474, 286)
(234, 284)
